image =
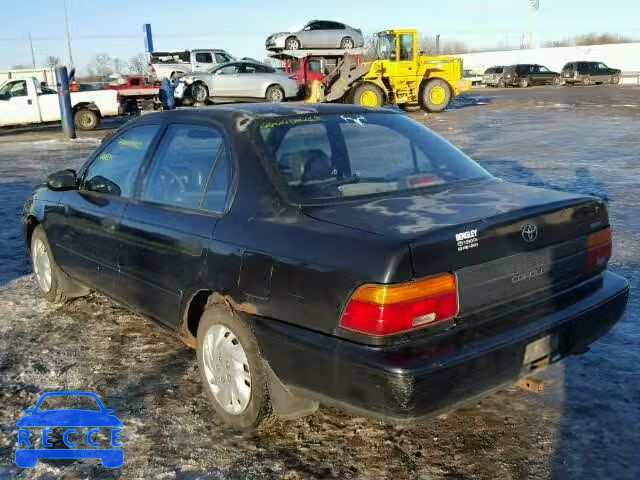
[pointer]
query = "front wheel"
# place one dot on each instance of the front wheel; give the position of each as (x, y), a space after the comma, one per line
(501, 83)
(615, 79)
(86, 119)
(586, 80)
(368, 95)
(45, 269)
(275, 94)
(231, 368)
(435, 96)
(524, 82)
(292, 43)
(556, 80)
(199, 92)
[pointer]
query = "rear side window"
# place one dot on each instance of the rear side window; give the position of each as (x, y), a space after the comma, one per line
(181, 169)
(114, 170)
(204, 57)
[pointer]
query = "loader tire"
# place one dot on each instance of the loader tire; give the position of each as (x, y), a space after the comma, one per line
(435, 96)
(368, 95)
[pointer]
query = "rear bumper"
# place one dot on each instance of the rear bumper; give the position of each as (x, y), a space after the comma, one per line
(422, 377)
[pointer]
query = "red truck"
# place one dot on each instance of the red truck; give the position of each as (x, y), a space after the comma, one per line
(138, 89)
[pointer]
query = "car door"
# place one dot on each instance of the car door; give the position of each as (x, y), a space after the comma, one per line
(311, 35)
(225, 81)
(250, 81)
(406, 52)
(545, 75)
(18, 106)
(203, 61)
(86, 238)
(331, 34)
(167, 229)
(604, 73)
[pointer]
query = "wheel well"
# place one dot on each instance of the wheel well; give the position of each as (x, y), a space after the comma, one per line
(32, 223)
(289, 38)
(88, 105)
(357, 85)
(274, 85)
(194, 311)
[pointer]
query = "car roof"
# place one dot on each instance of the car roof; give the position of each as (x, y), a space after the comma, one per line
(257, 111)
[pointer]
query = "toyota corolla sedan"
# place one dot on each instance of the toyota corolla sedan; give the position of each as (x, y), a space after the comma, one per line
(240, 81)
(327, 254)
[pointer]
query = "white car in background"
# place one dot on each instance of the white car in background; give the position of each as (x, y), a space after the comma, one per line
(238, 80)
(317, 34)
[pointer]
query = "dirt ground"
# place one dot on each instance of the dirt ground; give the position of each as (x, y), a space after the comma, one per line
(585, 425)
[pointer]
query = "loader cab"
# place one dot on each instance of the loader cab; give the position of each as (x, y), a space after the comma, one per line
(398, 50)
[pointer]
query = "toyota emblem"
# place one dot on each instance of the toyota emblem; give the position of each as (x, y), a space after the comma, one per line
(529, 233)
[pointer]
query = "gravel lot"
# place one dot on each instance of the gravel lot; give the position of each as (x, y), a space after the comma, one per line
(585, 425)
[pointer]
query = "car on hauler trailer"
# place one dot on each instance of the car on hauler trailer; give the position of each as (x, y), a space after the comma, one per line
(327, 253)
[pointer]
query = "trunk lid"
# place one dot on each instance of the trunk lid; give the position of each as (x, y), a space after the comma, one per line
(502, 240)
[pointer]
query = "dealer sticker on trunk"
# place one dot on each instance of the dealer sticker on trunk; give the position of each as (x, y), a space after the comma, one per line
(467, 240)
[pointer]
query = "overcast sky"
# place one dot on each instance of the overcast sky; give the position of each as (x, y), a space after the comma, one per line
(240, 27)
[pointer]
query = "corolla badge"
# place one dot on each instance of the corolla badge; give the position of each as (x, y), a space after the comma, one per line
(529, 233)
(86, 433)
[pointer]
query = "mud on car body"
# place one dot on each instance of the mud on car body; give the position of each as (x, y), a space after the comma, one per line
(329, 254)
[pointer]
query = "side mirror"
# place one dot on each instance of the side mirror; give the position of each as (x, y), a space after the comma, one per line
(63, 180)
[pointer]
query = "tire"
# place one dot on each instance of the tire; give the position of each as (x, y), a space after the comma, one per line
(501, 83)
(347, 43)
(86, 119)
(435, 96)
(524, 82)
(615, 80)
(224, 341)
(368, 95)
(45, 269)
(292, 43)
(199, 92)
(556, 80)
(586, 80)
(275, 94)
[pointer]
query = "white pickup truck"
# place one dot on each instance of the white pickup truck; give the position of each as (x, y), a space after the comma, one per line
(25, 101)
(171, 64)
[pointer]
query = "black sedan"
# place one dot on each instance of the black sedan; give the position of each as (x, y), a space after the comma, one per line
(329, 254)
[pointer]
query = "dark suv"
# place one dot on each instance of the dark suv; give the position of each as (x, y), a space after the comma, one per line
(587, 73)
(525, 74)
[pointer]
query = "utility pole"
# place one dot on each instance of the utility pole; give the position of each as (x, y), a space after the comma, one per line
(535, 6)
(33, 56)
(66, 24)
(438, 44)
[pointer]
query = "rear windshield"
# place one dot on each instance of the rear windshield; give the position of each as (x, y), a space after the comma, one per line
(494, 70)
(318, 159)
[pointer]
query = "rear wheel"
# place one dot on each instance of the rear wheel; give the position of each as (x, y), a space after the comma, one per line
(368, 95)
(45, 269)
(556, 80)
(524, 82)
(199, 92)
(292, 43)
(86, 119)
(231, 369)
(435, 96)
(347, 43)
(275, 94)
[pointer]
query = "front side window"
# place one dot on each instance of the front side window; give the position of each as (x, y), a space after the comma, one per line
(602, 66)
(320, 159)
(544, 70)
(204, 57)
(222, 58)
(181, 169)
(114, 170)
(227, 69)
(14, 89)
(406, 47)
(385, 45)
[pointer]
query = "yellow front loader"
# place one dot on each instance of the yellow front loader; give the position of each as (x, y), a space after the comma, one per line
(399, 75)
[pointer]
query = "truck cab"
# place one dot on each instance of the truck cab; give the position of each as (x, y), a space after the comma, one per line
(178, 63)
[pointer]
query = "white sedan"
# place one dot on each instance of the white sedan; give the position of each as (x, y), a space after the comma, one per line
(238, 80)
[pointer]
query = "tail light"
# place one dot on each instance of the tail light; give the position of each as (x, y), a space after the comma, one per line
(375, 309)
(598, 249)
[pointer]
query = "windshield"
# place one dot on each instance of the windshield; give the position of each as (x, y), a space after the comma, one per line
(319, 159)
(385, 45)
(77, 402)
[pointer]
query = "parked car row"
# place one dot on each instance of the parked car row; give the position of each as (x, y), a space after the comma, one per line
(526, 74)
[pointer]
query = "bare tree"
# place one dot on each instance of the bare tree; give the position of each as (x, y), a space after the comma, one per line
(20, 67)
(101, 65)
(119, 66)
(139, 65)
(52, 61)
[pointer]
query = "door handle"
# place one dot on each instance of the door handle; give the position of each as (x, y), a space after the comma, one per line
(29, 102)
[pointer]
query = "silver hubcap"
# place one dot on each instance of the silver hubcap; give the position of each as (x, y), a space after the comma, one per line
(227, 369)
(293, 44)
(275, 95)
(41, 265)
(348, 44)
(199, 93)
